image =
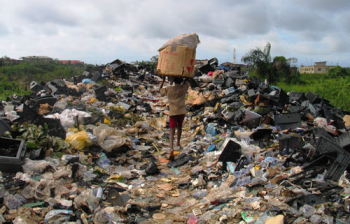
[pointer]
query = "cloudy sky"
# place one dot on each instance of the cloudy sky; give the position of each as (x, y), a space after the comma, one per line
(99, 32)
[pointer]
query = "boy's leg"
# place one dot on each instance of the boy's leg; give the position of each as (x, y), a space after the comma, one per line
(172, 125)
(179, 133)
(171, 138)
(179, 129)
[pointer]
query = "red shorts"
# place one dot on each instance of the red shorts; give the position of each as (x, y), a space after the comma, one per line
(176, 120)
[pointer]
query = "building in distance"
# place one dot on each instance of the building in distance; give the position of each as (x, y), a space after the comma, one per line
(319, 67)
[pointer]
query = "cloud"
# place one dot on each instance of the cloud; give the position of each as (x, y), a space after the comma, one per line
(46, 12)
(99, 31)
(3, 29)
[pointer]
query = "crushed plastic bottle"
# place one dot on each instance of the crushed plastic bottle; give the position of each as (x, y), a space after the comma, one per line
(103, 161)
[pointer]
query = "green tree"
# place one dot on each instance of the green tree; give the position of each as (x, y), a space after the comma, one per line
(260, 61)
(277, 69)
(149, 65)
(338, 71)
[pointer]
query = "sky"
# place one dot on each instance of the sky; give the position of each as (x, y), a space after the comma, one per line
(98, 32)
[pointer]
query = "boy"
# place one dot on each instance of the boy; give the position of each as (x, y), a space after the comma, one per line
(176, 95)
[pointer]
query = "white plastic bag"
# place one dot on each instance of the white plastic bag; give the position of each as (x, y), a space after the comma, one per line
(109, 138)
(190, 40)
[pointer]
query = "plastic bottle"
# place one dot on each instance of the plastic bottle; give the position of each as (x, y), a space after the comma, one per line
(103, 161)
(99, 192)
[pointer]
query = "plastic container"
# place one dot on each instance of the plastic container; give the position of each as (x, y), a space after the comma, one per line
(12, 152)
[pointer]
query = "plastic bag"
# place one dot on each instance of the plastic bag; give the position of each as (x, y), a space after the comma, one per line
(320, 122)
(42, 190)
(158, 123)
(11, 202)
(205, 78)
(87, 200)
(190, 40)
(109, 138)
(59, 106)
(307, 211)
(28, 192)
(37, 166)
(79, 140)
(44, 109)
(67, 117)
(62, 172)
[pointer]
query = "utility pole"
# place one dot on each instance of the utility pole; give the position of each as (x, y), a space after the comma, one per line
(234, 55)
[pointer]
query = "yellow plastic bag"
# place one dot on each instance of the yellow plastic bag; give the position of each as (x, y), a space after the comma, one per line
(79, 140)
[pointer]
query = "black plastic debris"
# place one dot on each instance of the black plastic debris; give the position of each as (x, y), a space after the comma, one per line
(251, 119)
(208, 67)
(152, 168)
(55, 127)
(289, 144)
(338, 167)
(96, 76)
(321, 160)
(36, 87)
(288, 121)
(311, 96)
(344, 141)
(181, 160)
(297, 96)
(100, 93)
(4, 126)
(325, 145)
(231, 153)
(36, 102)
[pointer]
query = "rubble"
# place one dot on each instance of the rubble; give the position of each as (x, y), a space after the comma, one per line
(93, 149)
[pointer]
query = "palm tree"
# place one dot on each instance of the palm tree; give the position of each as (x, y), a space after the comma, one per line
(260, 60)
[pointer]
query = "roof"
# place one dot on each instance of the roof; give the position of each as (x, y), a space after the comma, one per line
(71, 62)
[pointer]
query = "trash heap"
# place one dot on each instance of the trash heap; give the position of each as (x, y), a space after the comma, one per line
(94, 149)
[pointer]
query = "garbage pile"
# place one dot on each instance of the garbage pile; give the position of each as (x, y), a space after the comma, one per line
(94, 149)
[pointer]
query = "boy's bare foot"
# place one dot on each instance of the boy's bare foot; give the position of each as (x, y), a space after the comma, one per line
(171, 156)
